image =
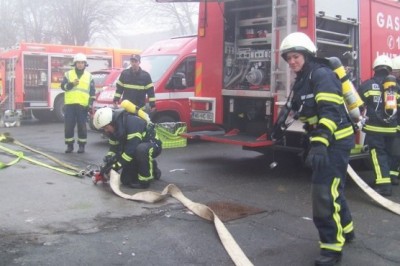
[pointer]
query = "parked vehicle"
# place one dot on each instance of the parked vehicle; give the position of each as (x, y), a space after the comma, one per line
(106, 78)
(242, 81)
(33, 72)
(171, 64)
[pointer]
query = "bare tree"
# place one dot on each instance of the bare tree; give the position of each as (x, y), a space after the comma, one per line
(9, 26)
(167, 15)
(78, 22)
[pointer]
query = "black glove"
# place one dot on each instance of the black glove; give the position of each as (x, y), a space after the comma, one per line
(117, 166)
(317, 156)
(109, 159)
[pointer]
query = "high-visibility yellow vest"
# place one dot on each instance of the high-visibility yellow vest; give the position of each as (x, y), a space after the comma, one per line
(79, 94)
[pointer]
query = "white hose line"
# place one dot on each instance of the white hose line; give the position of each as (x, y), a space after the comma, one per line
(388, 204)
(229, 243)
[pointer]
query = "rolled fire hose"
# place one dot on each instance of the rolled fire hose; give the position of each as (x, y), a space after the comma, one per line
(388, 204)
(229, 243)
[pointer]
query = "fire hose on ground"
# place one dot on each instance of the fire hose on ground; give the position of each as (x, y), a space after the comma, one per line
(203, 211)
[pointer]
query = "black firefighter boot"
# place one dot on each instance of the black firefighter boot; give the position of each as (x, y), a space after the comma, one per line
(70, 148)
(81, 148)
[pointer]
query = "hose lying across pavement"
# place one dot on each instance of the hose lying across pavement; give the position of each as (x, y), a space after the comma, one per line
(388, 204)
(229, 243)
(203, 211)
(233, 249)
(6, 138)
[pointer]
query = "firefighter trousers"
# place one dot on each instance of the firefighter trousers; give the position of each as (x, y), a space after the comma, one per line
(75, 115)
(143, 165)
(380, 155)
(395, 156)
(331, 214)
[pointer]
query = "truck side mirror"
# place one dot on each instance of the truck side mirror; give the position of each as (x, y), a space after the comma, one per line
(177, 81)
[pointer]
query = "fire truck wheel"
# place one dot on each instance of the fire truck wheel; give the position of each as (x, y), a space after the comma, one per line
(90, 122)
(43, 115)
(59, 108)
(163, 118)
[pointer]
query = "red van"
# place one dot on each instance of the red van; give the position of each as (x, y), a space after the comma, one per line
(171, 64)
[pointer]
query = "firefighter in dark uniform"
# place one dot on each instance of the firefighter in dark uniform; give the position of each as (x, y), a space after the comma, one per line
(134, 144)
(79, 95)
(395, 164)
(318, 102)
(380, 127)
(135, 84)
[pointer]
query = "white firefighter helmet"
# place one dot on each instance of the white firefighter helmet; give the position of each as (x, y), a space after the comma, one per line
(396, 63)
(383, 61)
(102, 117)
(297, 42)
(79, 57)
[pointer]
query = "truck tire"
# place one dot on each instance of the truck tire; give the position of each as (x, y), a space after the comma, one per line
(91, 126)
(59, 108)
(43, 115)
(164, 118)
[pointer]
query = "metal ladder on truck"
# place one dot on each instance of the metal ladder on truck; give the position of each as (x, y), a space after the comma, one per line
(284, 22)
(10, 117)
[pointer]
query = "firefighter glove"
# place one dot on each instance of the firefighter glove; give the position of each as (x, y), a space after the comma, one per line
(317, 156)
(117, 166)
(109, 159)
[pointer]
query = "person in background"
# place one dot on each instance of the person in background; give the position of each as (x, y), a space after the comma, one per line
(133, 143)
(319, 104)
(79, 95)
(135, 84)
(380, 127)
(395, 164)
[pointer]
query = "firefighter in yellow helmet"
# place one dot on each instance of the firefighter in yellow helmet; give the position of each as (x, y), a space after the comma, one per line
(318, 101)
(395, 164)
(378, 94)
(79, 88)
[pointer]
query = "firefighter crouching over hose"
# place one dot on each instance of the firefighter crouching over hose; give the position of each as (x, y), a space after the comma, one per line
(133, 143)
(318, 101)
(379, 95)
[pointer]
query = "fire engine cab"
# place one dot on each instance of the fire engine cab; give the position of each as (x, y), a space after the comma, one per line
(241, 79)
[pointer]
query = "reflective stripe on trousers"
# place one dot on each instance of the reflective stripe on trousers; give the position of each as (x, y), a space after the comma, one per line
(331, 213)
(75, 114)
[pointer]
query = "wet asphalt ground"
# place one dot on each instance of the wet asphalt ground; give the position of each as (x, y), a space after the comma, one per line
(51, 218)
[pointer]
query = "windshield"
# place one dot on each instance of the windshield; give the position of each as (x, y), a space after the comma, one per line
(100, 78)
(156, 65)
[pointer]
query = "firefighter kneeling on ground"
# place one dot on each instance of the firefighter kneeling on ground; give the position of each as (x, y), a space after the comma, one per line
(134, 144)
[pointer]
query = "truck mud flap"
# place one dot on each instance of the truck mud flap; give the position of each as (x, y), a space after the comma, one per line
(230, 138)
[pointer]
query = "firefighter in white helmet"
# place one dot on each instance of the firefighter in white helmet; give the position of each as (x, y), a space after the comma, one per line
(381, 125)
(79, 95)
(318, 101)
(395, 164)
(133, 143)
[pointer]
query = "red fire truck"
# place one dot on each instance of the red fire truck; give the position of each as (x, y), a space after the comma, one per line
(31, 74)
(241, 80)
(171, 65)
